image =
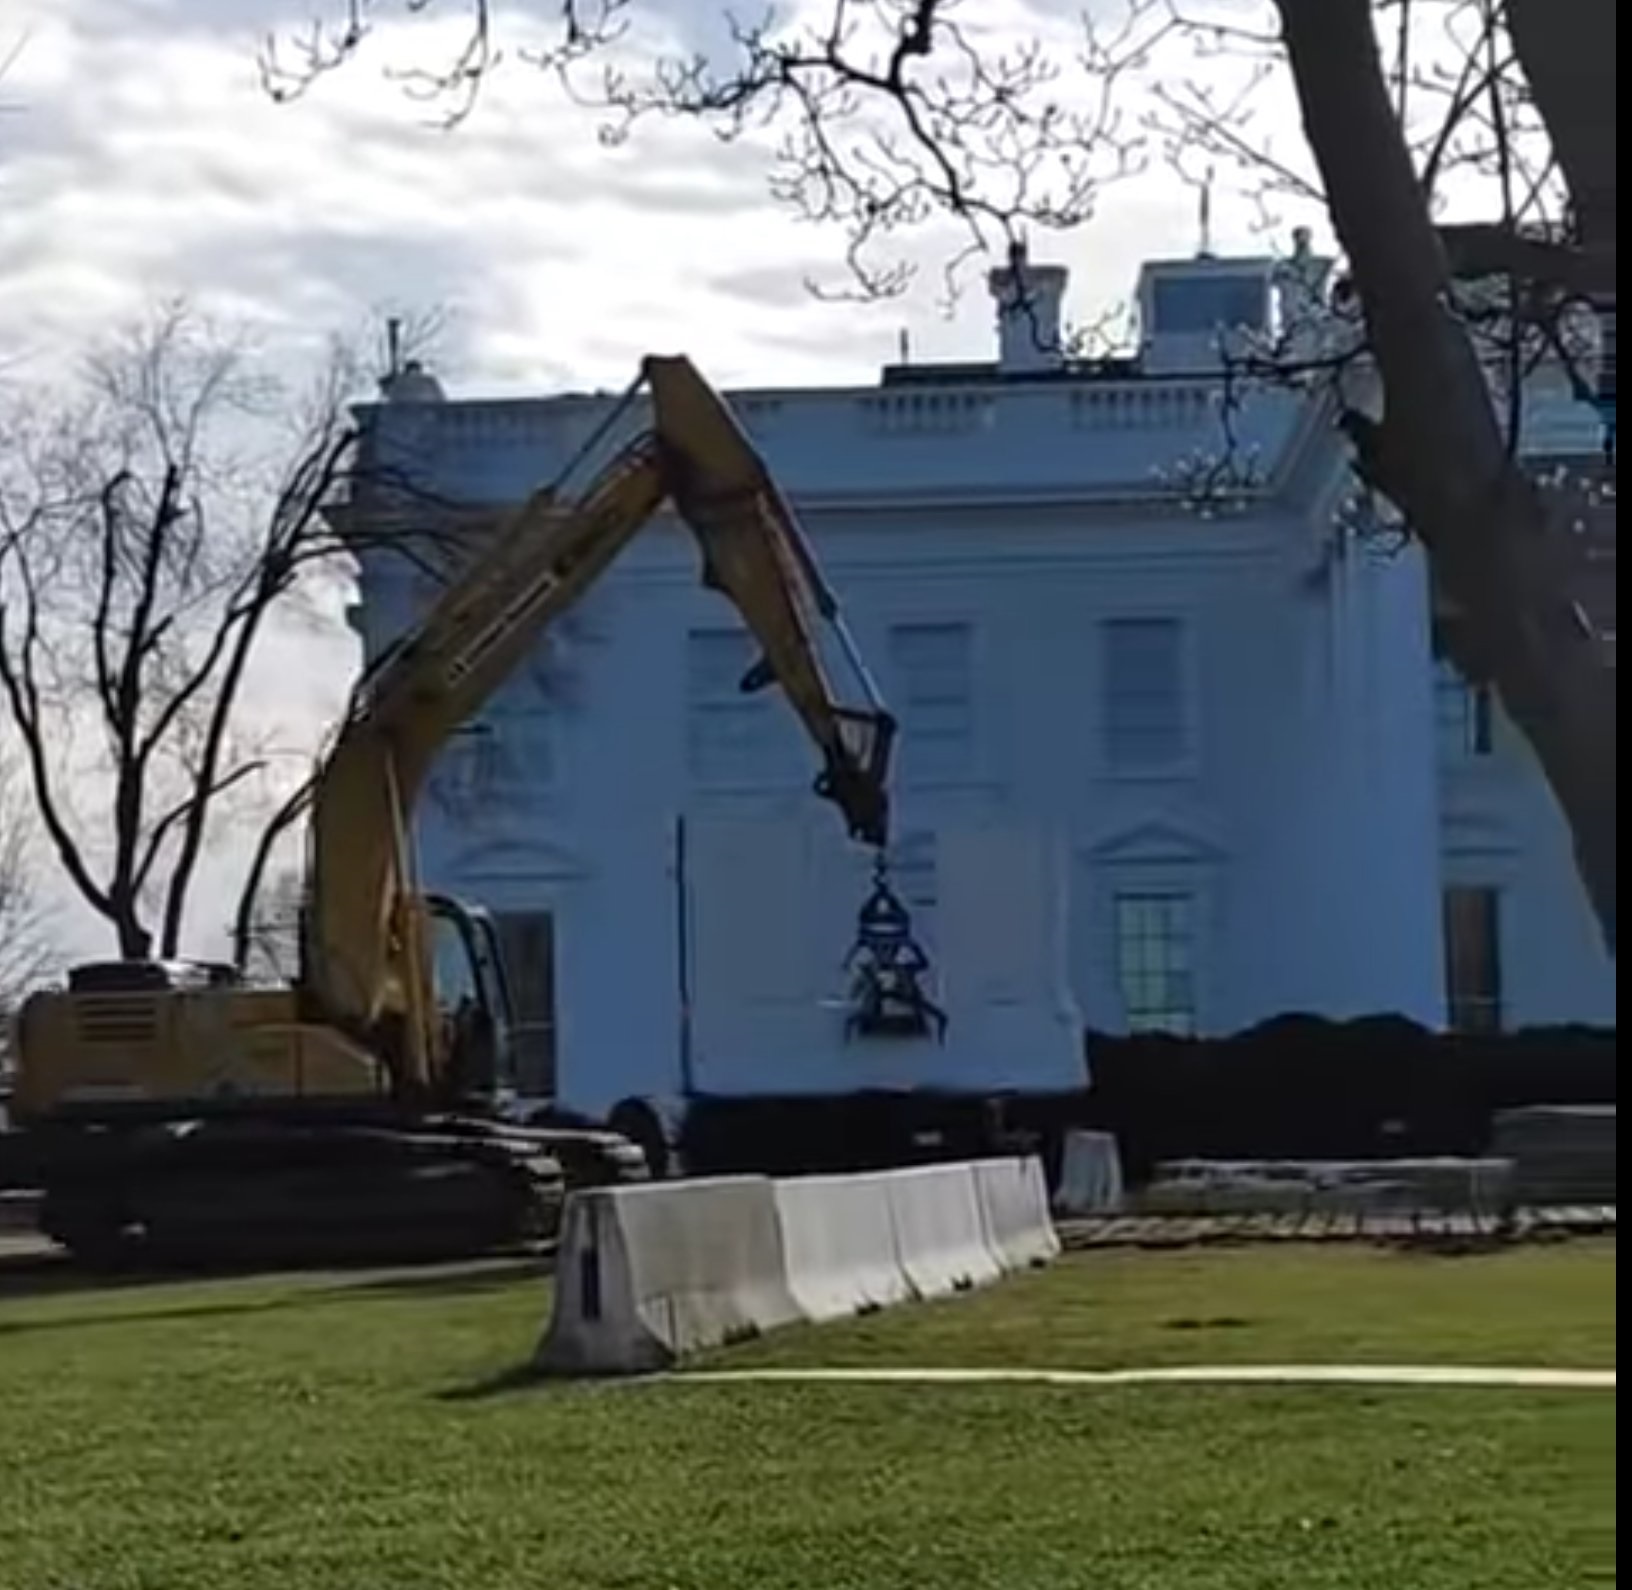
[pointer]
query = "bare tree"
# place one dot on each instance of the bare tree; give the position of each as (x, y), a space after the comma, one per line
(268, 943)
(149, 532)
(1503, 552)
(895, 112)
(25, 945)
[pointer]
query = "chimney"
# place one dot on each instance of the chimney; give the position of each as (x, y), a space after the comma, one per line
(413, 383)
(1029, 299)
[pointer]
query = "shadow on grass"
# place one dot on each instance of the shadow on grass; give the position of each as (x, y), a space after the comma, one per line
(151, 1316)
(49, 1272)
(523, 1379)
(490, 1275)
(506, 1382)
(61, 1279)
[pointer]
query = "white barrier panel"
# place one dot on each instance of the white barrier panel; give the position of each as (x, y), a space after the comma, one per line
(645, 1275)
(840, 1245)
(1014, 1206)
(1090, 1175)
(939, 1233)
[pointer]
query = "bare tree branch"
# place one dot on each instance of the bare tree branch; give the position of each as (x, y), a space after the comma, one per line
(168, 538)
(25, 944)
(898, 113)
(20, 656)
(248, 913)
(1438, 452)
(268, 940)
(1567, 48)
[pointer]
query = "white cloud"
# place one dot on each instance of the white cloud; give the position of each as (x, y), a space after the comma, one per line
(140, 157)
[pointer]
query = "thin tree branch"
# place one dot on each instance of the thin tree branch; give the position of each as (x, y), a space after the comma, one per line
(290, 812)
(182, 812)
(20, 682)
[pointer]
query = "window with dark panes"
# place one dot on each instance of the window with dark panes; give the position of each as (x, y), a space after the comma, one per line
(1473, 959)
(914, 874)
(527, 940)
(1463, 715)
(1156, 961)
(733, 736)
(1146, 715)
(933, 667)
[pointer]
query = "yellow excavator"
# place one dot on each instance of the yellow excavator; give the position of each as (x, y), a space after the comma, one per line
(175, 1110)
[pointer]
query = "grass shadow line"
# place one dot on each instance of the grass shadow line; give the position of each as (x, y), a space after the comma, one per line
(64, 1281)
(506, 1382)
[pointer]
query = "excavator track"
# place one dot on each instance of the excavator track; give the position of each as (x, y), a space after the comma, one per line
(247, 1193)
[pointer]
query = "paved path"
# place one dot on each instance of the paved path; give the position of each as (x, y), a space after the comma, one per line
(1433, 1375)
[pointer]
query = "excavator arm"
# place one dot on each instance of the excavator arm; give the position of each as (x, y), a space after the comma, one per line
(756, 554)
(365, 956)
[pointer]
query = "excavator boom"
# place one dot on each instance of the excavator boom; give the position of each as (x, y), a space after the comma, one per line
(361, 959)
(755, 552)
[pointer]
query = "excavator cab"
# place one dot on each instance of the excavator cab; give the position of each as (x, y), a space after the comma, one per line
(471, 993)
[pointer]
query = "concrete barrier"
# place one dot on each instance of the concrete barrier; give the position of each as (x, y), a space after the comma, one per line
(646, 1275)
(1090, 1175)
(939, 1232)
(1561, 1154)
(1313, 1187)
(840, 1245)
(1013, 1196)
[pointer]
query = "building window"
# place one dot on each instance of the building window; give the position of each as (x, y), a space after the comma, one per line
(480, 772)
(453, 976)
(1146, 715)
(913, 876)
(523, 710)
(1606, 357)
(1155, 961)
(732, 735)
(933, 666)
(1473, 959)
(1463, 715)
(527, 943)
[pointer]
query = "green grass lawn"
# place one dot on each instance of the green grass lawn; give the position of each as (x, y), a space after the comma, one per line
(1551, 1306)
(358, 1432)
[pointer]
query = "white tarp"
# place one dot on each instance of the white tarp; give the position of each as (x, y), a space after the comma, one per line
(770, 903)
(1003, 957)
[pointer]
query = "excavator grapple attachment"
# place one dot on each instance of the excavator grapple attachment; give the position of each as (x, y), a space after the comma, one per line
(888, 966)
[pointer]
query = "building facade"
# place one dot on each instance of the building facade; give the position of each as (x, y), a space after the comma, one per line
(1176, 750)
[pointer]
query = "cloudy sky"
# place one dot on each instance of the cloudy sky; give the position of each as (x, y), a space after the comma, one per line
(141, 158)
(139, 155)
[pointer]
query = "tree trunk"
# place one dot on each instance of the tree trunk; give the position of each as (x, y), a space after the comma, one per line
(1509, 567)
(125, 914)
(1567, 50)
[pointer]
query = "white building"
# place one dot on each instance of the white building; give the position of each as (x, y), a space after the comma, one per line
(1160, 766)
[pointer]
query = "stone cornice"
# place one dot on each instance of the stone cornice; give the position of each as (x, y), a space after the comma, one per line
(1097, 442)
